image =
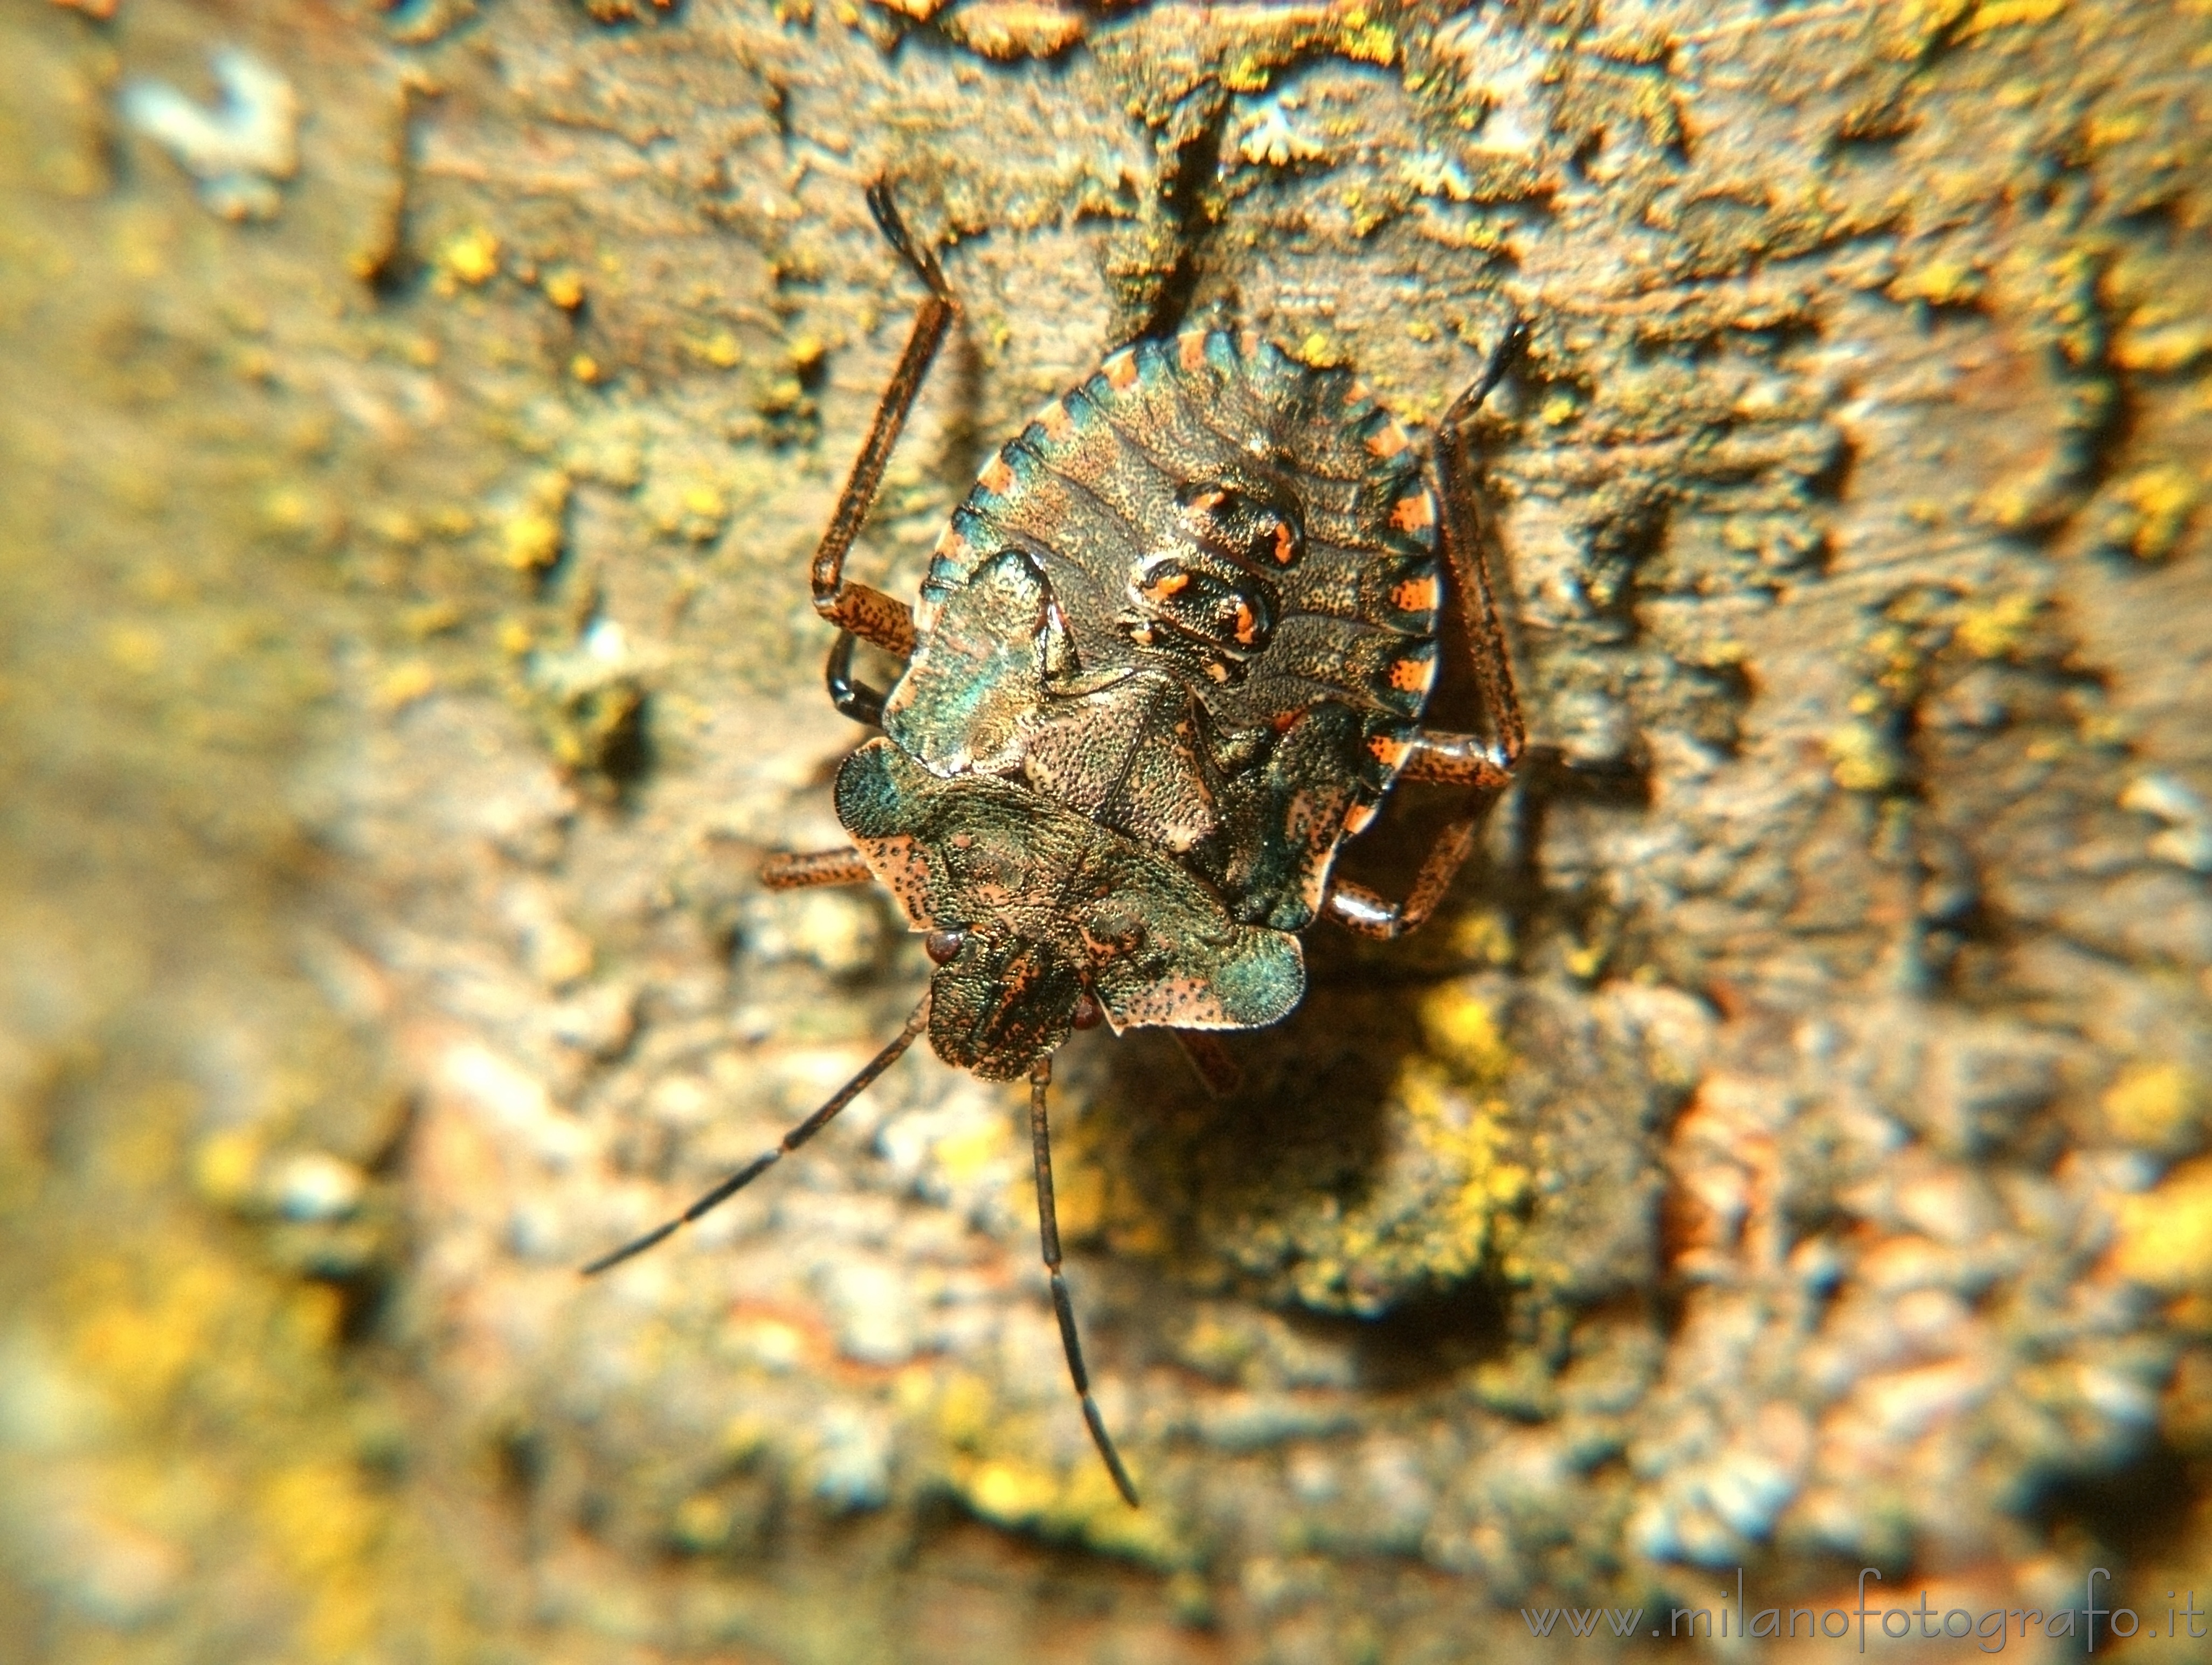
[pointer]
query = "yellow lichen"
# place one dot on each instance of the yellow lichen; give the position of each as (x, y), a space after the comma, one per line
(142, 1342)
(1248, 74)
(1861, 759)
(1587, 959)
(689, 506)
(2000, 629)
(1366, 40)
(966, 1154)
(1485, 936)
(533, 535)
(134, 647)
(2152, 510)
(719, 349)
(1021, 1495)
(530, 540)
(1079, 1197)
(2162, 348)
(2108, 128)
(966, 1412)
(470, 257)
(804, 355)
(430, 619)
(225, 1164)
(2164, 1238)
(1939, 283)
(701, 1522)
(323, 1525)
(1993, 15)
(1462, 1031)
(2029, 501)
(1454, 1114)
(1012, 1494)
(2155, 1107)
(564, 287)
(1009, 29)
(990, 1464)
(1462, 1137)
(403, 684)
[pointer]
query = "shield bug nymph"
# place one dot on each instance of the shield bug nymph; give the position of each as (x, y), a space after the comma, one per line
(1172, 651)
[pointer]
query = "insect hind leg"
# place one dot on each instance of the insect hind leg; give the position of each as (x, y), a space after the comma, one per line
(1063, 1305)
(1485, 768)
(1466, 548)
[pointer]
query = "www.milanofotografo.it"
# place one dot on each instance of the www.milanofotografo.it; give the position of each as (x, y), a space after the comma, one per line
(1870, 1623)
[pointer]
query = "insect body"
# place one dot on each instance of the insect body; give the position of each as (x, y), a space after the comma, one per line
(1171, 652)
(1196, 600)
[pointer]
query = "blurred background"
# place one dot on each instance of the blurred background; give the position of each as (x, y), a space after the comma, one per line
(1783, 1159)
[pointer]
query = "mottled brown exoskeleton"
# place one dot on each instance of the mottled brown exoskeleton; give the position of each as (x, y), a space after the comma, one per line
(1171, 652)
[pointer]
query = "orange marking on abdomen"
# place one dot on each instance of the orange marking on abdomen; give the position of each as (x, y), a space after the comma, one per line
(1358, 819)
(1120, 370)
(1190, 350)
(996, 478)
(1411, 675)
(1287, 544)
(1387, 752)
(1057, 424)
(1412, 513)
(1387, 441)
(1414, 596)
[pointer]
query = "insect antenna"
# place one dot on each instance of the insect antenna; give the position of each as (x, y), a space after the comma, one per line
(776, 1154)
(1063, 1306)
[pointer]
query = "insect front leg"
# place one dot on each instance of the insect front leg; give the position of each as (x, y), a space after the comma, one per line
(863, 610)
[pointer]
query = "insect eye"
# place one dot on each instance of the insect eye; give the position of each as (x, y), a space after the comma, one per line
(1089, 1013)
(943, 948)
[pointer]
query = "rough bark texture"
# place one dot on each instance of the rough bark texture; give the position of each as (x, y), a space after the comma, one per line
(1791, 1162)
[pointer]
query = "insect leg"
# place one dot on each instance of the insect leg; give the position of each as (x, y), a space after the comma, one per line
(1466, 540)
(1372, 914)
(1217, 1073)
(853, 699)
(865, 611)
(1458, 759)
(1063, 1307)
(1484, 767)
(768, 1158)
(802, 869)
